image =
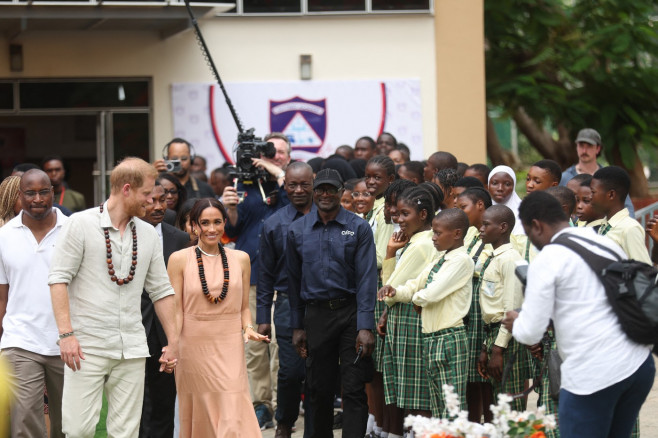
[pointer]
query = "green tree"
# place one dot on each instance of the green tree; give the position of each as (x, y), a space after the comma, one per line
(556, 66)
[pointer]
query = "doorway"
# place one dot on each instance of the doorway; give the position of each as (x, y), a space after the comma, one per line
(90, 138)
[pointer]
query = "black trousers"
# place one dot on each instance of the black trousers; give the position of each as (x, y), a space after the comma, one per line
(159, 400)
(331, 338)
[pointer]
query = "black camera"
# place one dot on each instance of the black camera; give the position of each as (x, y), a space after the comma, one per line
(249, 147)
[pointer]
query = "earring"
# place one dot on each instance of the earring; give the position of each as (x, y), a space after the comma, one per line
(196, 233)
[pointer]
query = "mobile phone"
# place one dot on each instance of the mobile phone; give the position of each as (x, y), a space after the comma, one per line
(358, 354)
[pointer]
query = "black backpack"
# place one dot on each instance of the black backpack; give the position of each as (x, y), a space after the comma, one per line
(630, 286)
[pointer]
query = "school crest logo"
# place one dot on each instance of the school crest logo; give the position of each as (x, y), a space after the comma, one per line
(303, 121)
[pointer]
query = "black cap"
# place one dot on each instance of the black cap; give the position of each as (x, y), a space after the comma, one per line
(328, 176)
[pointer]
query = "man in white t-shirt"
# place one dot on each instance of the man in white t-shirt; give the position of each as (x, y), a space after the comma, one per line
(605, 376)
(29, 333)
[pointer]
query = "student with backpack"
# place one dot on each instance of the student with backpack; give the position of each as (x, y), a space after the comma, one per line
(606, 377)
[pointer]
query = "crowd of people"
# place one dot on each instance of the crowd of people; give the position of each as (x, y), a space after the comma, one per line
(363, 281)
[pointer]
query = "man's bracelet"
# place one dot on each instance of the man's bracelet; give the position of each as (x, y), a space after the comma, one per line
(66, 335)
(281, 175)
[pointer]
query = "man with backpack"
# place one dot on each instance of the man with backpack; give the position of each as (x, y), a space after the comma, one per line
(606, 377)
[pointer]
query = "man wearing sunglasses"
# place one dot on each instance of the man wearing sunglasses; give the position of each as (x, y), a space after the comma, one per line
(332, 273)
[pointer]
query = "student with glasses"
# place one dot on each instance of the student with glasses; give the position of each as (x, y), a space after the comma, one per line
(175, 196)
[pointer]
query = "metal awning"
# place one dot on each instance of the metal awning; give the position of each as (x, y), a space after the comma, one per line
(166, 17)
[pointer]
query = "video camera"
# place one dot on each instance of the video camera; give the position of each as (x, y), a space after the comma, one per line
(249, 147)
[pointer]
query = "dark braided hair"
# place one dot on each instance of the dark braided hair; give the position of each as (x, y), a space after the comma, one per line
(447, 177)
(398, 186)
(435, 191)
(419, 198)
(386, 163)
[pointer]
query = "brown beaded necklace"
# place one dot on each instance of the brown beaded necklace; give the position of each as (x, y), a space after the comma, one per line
(110, 266)
(202, 276)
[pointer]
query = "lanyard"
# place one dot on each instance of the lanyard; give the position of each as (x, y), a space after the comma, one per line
(404, 249)
(61, 196)
(484, 268)
(435, 269)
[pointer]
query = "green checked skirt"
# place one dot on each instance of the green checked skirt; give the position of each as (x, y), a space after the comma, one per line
(406, 383)
(475, 335)
(378, 354)
(448, 363)
(521, 370)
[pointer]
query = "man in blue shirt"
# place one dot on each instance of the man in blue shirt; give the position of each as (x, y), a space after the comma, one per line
(246, 215)
(272, 277)
(332, 282)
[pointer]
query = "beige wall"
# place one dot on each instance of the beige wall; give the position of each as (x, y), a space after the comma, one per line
(460, 79)
(244, 49)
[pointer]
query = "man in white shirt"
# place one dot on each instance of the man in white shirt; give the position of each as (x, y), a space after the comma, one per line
(29, 333)
(605, 376)
(104, 259)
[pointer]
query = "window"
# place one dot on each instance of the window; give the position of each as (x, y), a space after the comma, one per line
(297, 7)
(400, 5)
(6, 96)
(120, 94)
(271, 6)
(336, 5)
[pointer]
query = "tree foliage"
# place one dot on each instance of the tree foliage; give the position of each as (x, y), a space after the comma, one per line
(569, 64)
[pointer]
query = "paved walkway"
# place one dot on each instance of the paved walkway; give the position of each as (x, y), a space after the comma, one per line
(648, 417)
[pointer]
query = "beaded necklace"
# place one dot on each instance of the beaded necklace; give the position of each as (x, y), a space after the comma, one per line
(202, 275)
(110, 266)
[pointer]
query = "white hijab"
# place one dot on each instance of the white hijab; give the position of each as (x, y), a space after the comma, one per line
(514, 200)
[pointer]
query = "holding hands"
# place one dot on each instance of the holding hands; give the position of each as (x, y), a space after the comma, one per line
(168, 360)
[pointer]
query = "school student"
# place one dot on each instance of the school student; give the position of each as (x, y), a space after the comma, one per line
(363, 201)
(386, 416)
(409, 251)
(379, 174)
(542, 175)
(479, 393)
(567, 199)
(443, 292)
(585, 213)
(500, 291)
(610, 186)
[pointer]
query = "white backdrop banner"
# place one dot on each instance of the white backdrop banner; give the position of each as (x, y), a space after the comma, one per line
(317, 116)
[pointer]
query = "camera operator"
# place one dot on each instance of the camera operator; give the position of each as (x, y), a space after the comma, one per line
(181, 150)
(246, 211)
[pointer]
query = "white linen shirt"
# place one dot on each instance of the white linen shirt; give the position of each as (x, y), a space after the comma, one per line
(106, 317)
(29, 322)
(595, 352)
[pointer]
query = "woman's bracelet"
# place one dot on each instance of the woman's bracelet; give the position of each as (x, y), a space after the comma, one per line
(248, 326)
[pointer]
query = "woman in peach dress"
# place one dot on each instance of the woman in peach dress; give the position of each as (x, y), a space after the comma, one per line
(214, 323)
